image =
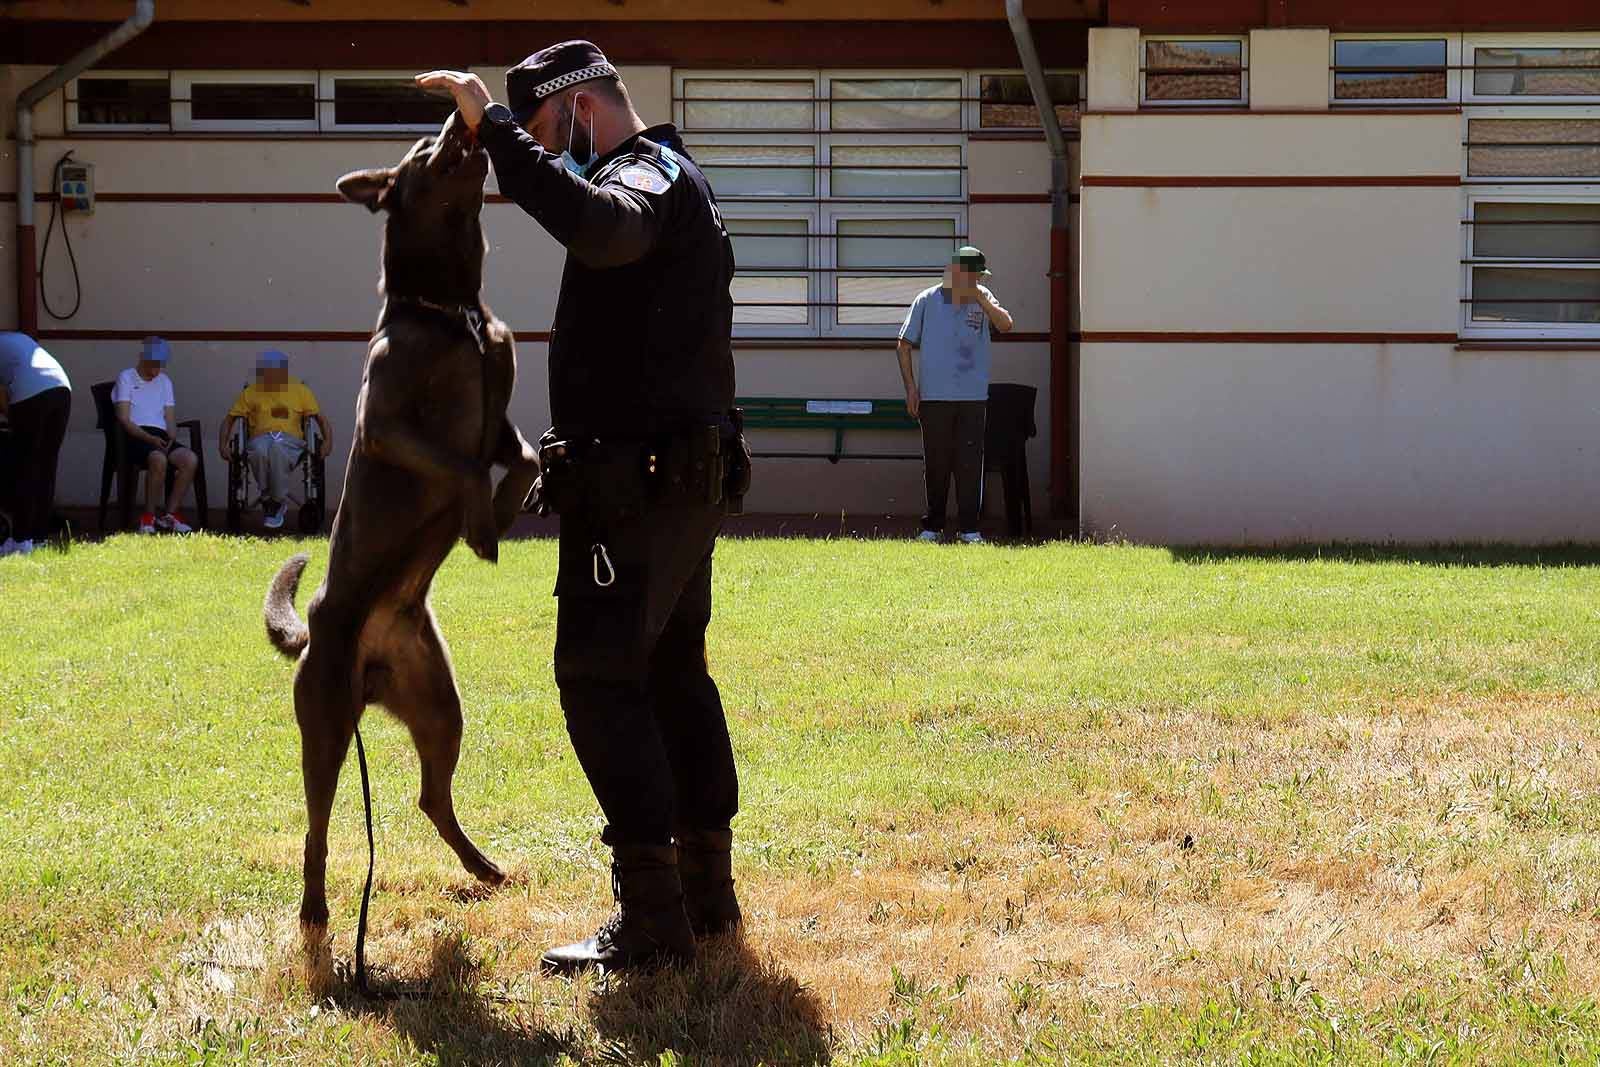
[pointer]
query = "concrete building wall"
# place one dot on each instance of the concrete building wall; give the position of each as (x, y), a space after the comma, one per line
(292, 259)
(1270, 304)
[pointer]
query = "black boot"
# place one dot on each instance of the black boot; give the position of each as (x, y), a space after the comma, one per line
(705, 863)
(649, 928)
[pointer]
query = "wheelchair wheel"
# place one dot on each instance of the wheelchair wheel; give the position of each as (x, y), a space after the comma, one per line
(236, 491)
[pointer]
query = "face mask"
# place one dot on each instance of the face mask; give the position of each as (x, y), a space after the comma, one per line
(567, 158)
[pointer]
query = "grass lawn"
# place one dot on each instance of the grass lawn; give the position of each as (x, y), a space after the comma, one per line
(1035, 805)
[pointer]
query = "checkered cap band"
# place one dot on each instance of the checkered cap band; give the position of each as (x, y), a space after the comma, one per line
(555, 85)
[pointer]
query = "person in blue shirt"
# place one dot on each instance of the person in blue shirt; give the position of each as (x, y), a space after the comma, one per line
(948, 391)
(36, 398)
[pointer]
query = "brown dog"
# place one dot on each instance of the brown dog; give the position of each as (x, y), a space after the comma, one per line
(430, 422)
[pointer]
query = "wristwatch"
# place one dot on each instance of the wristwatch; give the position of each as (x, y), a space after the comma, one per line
(499, 114)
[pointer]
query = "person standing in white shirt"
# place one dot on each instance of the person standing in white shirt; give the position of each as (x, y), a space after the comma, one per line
(36, 397)
(147, 408)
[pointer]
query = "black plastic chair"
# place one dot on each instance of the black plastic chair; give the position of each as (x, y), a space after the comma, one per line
(1008, 426)
(116, 464)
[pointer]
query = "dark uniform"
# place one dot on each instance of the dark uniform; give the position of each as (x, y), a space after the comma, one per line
(637, 464)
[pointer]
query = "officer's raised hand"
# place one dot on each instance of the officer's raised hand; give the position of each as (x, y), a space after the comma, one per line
(470, 94)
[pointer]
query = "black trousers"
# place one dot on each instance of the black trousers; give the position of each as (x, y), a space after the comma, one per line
(38, 426)
(952, 444)
(642, 710)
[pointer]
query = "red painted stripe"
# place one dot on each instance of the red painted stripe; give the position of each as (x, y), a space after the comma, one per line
(531, 336)
(216, 198)
(1267, 181)
(222, 336)
(1169, 112)
(335, 198)
(1286, 337)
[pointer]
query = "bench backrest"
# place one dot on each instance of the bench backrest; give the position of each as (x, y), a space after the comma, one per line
(800, 413)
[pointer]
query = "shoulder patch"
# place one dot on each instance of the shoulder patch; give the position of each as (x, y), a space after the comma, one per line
(643, 177)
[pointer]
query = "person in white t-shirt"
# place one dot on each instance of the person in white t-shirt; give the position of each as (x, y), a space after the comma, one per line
(147, 409)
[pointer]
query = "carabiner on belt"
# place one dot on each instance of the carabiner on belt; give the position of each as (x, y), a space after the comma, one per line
(601, 556)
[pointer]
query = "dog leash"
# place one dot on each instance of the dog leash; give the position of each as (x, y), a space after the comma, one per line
(372, 862)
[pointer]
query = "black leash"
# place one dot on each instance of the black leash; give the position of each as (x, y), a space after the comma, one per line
(372, 860)
(421, 993)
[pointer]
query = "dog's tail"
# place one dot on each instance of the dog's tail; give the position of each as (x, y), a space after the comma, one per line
(285, 629)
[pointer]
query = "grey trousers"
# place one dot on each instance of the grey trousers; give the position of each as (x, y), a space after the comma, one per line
(952, 444)
(272, 458)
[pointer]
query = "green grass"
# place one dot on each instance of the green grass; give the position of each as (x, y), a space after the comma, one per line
(1053, 804)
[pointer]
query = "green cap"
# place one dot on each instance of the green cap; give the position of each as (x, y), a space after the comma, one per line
(970, 257)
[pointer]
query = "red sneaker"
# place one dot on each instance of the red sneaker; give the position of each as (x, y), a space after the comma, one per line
(147, 523)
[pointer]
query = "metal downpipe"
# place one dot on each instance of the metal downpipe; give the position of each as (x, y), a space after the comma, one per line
(144, 13)
(1063, 361)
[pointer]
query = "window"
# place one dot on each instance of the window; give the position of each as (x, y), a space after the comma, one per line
(1005, 101)
(1532, 174)
(895, 103)
(1524, 72)
(1193, 71)
(108, 100)
(844, 194)
(1392, 70)
(361, 100)
(1535, 263)
(233, 100)
(882, 263)
(775, 287)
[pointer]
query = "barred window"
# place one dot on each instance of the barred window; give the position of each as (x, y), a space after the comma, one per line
(845, 195)
(1391, 70)
(119, 101)
(1532, 174)
(1193, 71)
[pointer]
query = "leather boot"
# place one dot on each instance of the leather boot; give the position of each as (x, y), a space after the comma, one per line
(649, 928)
(705, 864)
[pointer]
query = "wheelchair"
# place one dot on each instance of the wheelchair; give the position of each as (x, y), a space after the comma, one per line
(244, 495)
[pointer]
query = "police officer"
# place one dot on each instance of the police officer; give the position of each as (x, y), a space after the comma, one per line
(638, 463)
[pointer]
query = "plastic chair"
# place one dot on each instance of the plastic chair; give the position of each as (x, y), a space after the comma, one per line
(1008, 427)
(116, 464)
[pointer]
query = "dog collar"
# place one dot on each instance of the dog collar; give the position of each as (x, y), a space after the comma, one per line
(470, 315)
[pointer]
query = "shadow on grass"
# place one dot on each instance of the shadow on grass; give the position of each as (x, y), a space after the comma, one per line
(730, 1008)
(1432, 556)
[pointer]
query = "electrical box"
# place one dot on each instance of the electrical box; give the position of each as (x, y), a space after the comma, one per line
(76, 187)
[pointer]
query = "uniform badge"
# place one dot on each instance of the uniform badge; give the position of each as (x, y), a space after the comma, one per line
(644, 178)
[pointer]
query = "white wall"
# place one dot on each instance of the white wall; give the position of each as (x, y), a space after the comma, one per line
(1263, 444)
(1225, 439)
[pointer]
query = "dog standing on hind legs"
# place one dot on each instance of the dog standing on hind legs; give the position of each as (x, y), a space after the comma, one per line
(430, 423)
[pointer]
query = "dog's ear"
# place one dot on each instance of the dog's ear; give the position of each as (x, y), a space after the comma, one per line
(369, 187)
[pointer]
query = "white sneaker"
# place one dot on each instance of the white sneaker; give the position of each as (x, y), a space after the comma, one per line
(928, 535)
(23, 548)
(273, 518)
(171, 523)
(972, 537)
(8, 547)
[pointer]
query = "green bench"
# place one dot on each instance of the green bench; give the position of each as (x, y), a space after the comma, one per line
(835, 416)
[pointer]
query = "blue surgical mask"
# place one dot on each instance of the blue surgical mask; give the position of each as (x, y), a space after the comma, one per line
(567, 158)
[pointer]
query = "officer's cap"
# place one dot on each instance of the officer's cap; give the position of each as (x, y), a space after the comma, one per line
(547, 72)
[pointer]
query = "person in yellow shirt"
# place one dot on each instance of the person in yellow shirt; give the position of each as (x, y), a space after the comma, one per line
(274, 408)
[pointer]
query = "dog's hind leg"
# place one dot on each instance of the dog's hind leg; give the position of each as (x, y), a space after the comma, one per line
(327, 707)
(426, 700)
